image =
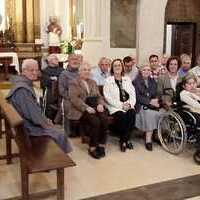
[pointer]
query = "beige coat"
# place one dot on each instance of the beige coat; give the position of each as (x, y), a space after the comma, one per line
(77, 96)
(191, 99)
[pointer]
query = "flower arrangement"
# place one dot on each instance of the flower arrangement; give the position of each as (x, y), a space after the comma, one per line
(69, 47)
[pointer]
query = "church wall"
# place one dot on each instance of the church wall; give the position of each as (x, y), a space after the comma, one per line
(150, 28)
(150, 33)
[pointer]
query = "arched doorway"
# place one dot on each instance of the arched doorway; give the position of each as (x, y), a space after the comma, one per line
(182, 27)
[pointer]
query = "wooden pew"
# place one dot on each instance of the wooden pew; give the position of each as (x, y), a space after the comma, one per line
(4, 87)
(37, 154)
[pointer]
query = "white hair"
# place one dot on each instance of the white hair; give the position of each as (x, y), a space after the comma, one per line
(28, 62)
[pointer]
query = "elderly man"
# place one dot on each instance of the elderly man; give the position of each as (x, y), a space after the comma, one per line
(22, 96)
(49, 84)
(65, 78)
(100, 73)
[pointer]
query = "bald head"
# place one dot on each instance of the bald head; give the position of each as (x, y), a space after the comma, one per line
(53, 60)
(30, 69)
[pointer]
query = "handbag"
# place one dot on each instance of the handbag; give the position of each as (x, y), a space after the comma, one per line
(92, 101)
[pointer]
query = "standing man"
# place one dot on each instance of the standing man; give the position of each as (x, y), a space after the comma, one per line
(130, 67)
(22, 96)
(65, 78)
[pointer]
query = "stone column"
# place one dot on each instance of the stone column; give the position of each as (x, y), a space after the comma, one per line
(92, 19)
(150, 32)
(93, 13)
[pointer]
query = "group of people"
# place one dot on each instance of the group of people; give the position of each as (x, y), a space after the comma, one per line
(132, 95)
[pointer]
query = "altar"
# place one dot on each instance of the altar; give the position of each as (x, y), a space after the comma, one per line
(14, 58)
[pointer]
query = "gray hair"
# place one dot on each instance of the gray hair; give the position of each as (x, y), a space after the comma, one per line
(104, 58)
(83, 64)
(28, 62)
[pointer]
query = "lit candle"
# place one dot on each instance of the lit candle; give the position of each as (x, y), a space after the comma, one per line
(81, 29)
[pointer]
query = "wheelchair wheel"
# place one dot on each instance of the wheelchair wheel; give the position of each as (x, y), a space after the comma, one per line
(196, 157)
(172, 132)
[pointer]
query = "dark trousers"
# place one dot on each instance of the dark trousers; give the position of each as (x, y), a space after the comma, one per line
(97, 127)
(124, 123)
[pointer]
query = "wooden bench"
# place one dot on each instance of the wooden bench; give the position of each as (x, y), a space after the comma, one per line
(4, 87)
(37, 154)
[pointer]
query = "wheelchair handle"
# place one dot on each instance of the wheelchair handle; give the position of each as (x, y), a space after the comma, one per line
(166, 90)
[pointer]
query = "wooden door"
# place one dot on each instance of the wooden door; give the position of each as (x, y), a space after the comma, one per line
(183, 39)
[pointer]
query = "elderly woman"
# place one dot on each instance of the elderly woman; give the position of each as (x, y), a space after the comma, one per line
(190, 93)
(170, 79)
(185, 65)
(87, 105)
(120, 96)
(147, 104)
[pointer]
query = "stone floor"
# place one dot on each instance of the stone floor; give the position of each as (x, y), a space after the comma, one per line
(117, 171)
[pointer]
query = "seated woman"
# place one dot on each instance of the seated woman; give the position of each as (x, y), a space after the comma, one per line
(87, 105)
(190, 93)
(147, 104)
(120, 96)
(170, 79)
(166, 85)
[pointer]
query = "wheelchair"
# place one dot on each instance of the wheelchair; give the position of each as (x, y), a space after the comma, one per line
(177, 127)
(50, 102)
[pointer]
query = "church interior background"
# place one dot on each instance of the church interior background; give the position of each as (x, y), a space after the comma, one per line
(115, 29)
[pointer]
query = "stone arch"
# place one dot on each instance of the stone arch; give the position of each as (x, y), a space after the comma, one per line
(184, 11)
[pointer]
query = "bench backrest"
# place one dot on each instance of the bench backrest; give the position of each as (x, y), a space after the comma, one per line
(14, 124)
(10, 113)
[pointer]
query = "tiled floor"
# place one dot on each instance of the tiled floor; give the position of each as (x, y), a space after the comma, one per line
(117, 171)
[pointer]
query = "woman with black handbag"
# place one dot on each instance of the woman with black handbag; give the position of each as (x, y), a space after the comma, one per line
(119, 94)
(87, 105)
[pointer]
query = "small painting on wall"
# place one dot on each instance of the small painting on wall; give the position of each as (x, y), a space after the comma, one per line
(123, 24)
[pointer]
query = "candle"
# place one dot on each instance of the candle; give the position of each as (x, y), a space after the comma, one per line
(69, 33)
(8, 23)
(3, 25)
(78, 31)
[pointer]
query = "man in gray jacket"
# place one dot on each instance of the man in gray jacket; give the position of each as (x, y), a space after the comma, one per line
(65, 78)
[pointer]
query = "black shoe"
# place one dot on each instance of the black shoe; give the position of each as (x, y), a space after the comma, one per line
(122, 146)
(101, 151)
(129, 145)
(149, 146)
(156, 140)
(73, 135)
(95, 154)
